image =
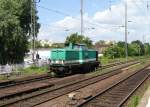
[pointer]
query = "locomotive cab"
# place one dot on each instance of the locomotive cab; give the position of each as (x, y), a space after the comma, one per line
(76, 46)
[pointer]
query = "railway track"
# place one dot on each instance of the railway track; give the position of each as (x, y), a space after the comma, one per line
(115, 64)
(10, 83)
(54, 92)
(117, 94)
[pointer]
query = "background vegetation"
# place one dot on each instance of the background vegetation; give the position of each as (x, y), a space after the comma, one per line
(79, 39)
(135, 48)
(15, 30)
(15, 23)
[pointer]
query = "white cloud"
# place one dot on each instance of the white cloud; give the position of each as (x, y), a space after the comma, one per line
(104, 23)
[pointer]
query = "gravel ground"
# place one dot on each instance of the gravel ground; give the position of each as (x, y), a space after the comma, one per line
(36, 84)
(81, 94)
(64, 101)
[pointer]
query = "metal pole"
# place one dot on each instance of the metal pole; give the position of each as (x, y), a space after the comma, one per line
(144, 44)
(81, 17)
(143, 39)
(126, 31)
(34, 24)
(33, 27)
(110, 5)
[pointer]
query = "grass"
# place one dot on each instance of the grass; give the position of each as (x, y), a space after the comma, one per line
(136, 98)
(105, 60)
(33, 70)
(134, 68)
(135, 101)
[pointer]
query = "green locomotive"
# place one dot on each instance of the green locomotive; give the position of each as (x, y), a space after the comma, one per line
(73, 58)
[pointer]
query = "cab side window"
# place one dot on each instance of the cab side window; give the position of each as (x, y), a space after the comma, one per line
(83, 47)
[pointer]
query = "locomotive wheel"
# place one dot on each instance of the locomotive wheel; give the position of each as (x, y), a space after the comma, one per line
(52, 74)
(68, 71)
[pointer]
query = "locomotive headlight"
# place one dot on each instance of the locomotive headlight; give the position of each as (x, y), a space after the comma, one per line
(52, 61)
(57, 62)
(62, 62)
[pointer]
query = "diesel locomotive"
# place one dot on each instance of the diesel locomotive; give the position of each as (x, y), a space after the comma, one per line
(73, 58)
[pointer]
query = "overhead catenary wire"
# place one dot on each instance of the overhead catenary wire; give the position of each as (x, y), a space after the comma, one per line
(53, 10)
(78, 19)
(147, 12)
(136, 3)
(91, 23)
(147, 16)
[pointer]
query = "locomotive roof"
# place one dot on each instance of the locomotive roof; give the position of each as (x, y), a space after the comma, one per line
(75, 44)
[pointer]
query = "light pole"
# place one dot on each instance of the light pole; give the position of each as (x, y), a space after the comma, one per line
(33, 26)
(126, 31)
(81, 17)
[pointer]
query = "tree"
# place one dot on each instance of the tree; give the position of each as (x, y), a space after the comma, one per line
(15, 21)
(121, 44)
(114, 51)
(139, 47)
(135, 48)
(100, 42)
(80, 39)
(147, 48)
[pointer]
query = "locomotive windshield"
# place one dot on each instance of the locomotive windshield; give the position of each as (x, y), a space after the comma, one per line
(76, 46)
(80, 46)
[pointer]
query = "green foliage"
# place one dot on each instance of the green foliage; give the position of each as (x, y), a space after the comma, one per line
(135, 101)
(115, 51)
(33, 70)
(135, 48)
(121, 44)
(138, 47)
(147, 48)
(100, 42)
(75, 38)
(14, 30)
(39, 45)
(57, 45)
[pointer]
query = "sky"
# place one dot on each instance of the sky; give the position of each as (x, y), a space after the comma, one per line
(103, 20)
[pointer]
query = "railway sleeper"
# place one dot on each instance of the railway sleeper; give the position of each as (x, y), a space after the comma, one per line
(106, 103)
(112, 101)
(112, 98)
(116, 97)
(97, 105)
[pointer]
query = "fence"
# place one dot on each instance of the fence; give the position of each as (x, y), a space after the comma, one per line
(8, 69)
(14, 68)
